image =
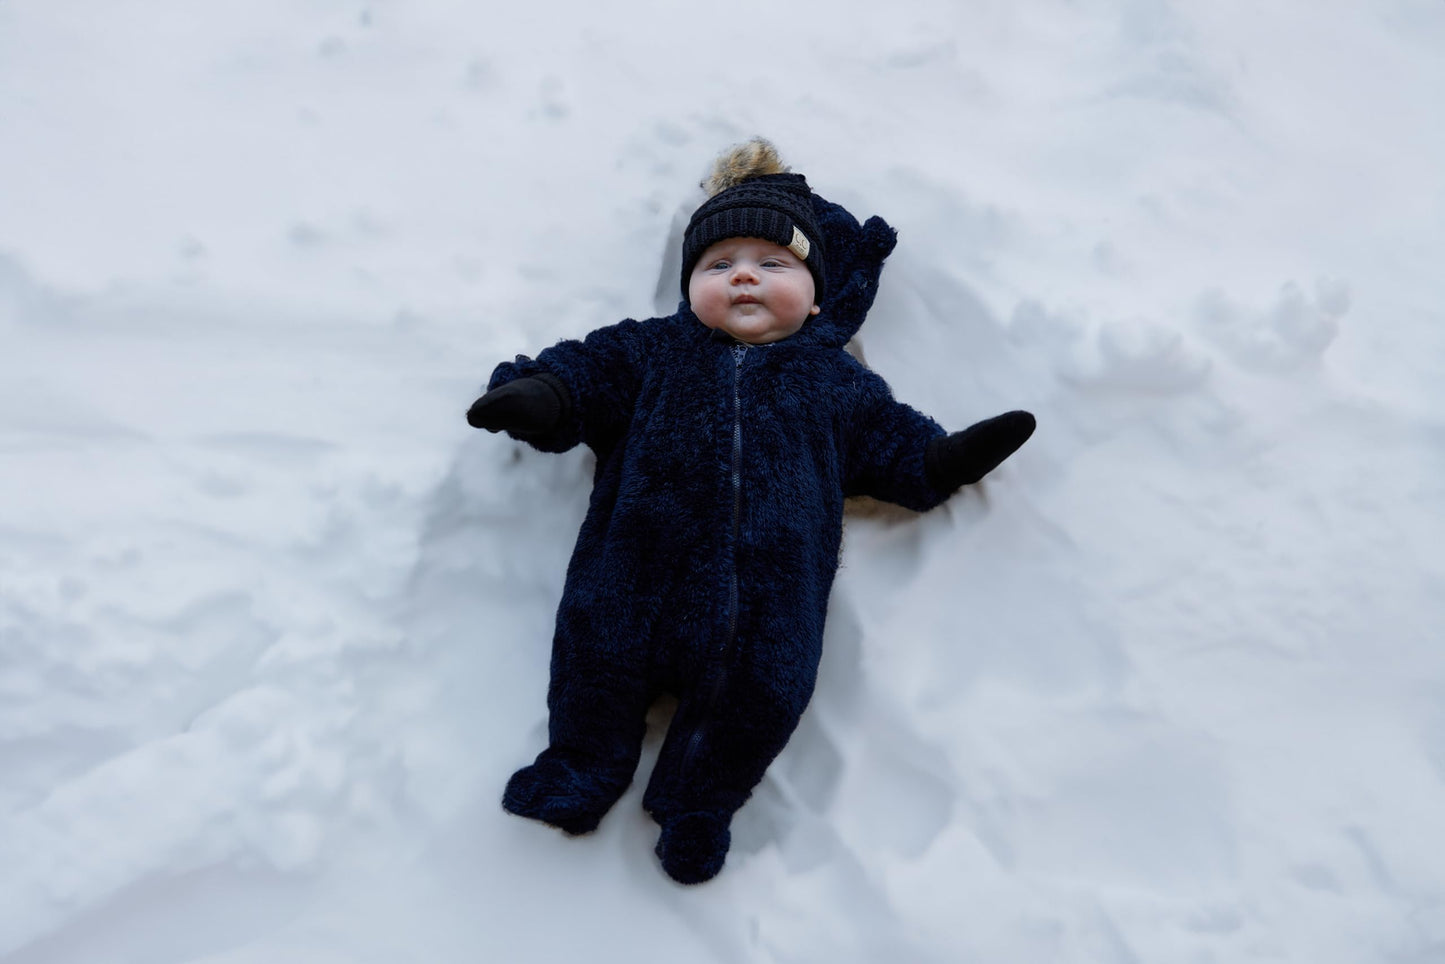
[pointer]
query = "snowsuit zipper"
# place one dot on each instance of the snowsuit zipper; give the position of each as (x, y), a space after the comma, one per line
(739, 352)
(730, 636)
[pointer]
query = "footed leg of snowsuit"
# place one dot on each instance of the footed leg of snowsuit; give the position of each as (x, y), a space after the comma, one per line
(716, 752)
(598, 702)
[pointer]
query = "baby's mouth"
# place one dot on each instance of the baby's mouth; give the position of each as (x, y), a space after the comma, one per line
(745, 300)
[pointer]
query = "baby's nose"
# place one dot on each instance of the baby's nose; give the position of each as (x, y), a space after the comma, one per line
(743, 272)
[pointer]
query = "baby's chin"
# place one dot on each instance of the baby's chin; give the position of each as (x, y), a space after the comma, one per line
(756, 332)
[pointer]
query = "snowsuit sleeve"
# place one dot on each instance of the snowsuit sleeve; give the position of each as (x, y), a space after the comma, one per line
(602, 374)
(886, 442)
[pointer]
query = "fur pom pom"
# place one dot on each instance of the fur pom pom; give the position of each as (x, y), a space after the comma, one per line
(743, 163)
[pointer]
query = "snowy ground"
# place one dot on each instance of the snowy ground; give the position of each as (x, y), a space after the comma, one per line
(274, 621)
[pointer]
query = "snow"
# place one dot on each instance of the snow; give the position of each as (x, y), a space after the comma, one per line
(274, 621)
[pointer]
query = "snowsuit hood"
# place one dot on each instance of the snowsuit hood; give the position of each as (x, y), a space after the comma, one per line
(855, 261)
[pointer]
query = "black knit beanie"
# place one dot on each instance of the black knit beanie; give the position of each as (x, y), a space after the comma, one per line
(753, 197)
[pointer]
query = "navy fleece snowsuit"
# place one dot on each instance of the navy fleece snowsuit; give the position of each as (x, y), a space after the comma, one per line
(712, 536)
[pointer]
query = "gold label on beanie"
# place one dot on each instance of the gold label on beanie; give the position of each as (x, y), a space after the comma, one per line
(799, 245)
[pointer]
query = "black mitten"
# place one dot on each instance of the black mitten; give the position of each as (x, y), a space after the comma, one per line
(965, 457)
(527, 407)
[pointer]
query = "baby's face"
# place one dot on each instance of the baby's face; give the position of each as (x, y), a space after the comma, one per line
(754, 290)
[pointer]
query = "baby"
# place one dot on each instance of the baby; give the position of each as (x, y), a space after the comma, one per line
(727, 436)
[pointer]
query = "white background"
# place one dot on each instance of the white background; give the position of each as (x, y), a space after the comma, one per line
(274, 622)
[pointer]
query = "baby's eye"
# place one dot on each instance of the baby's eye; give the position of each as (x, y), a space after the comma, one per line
(719, 264)
(772, 263)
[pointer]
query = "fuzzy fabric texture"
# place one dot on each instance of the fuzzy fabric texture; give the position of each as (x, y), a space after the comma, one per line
(693, 846)
(711, 540)
(757, 158)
